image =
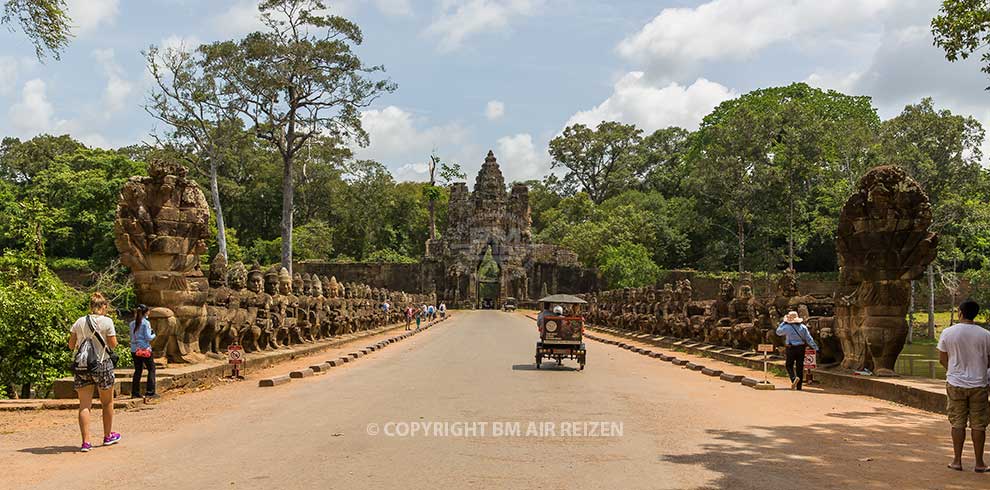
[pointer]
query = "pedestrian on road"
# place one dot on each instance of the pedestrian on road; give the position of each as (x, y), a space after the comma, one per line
(431, 312)
(96, 330)
(443, 310)
(964, 351)
(141, 337)
(419, 318)
(798, 338)
(409, 315)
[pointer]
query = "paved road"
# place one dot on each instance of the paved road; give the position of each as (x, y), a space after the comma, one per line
(679, 429)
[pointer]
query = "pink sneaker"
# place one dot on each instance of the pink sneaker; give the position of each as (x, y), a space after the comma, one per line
(111, 439)
(85, 447)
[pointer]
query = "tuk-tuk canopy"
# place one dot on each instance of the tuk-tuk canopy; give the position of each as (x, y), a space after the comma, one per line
(563, 299)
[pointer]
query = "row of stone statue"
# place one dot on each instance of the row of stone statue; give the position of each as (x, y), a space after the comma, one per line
(735, 318)
(268, 309)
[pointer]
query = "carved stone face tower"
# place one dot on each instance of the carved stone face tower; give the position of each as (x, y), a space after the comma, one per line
(488, 224)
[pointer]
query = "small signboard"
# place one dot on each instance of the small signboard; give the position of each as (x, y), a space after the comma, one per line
(810, 359)
(235, 354)
(764, 348)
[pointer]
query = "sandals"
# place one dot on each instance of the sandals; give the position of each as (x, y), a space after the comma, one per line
(981, 470)
(956, 468)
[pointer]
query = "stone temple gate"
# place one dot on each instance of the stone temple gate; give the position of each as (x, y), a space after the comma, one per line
(487, 219)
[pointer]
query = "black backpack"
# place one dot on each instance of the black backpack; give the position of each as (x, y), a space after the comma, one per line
(85, 360)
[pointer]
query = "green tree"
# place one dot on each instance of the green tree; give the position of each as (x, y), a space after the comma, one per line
(963, 28)
(20, 161)
(35, 306)
(662, 164)
(600, 161)
(941, 150)
(448, 172)
(628, 265)
(45, 22)
(761, 158)
(203, 120)
(296, 81)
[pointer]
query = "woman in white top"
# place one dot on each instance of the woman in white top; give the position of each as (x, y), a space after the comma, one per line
(103, 377)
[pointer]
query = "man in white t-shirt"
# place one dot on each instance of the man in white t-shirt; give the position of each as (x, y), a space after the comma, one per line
(964, 351)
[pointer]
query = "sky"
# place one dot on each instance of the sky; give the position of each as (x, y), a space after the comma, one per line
(509, 75)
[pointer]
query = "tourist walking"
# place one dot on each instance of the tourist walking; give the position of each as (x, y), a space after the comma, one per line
(964, 351)
(431, 313)
(409, 316)
(797, 339)
(443, 310)
(141, 337)
(92, 339)
(419, 318)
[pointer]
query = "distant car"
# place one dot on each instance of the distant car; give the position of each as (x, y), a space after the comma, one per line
(509, 305)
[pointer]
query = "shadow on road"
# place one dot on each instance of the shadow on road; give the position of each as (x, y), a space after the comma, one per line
(50, 449)
(884, 448)
(544, 367)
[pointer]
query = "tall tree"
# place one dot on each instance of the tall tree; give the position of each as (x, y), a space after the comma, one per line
(448, 172)
(790, 135)
(941, 150)
(600, 161)
(662, 163)
(202, 117)
(296, 81)
(46, 23)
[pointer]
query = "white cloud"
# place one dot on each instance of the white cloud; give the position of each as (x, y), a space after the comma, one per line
(739, 29)
(87, 15)
(635, 100)
(404, 142)
(461, 19)
(180, 43)
(494, 110)
(33, 113)
(519, 158)
(847, 82)
(8, 75)
(118, 89)
(399, 8)
(241, 18)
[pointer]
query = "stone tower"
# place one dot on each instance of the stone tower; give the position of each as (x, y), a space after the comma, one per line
(492, 217)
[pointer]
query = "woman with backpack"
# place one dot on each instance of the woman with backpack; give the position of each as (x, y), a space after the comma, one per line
(141, 337)
(92, 340)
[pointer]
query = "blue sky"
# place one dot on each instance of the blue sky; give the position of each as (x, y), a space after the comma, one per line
(508, 75)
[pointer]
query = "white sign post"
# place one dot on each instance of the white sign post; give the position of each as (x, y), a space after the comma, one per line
(765, 349)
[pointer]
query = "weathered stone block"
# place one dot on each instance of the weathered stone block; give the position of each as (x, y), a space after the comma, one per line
(320, 368)
(732, 378)
(711, 372)
(274, 381)
(301, 373)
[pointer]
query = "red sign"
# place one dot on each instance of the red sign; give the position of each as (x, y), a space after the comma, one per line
(810, 359)
(235, 354)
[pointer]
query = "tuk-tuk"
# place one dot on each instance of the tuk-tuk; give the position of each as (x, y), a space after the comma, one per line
(509, 304)
(561, 334)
